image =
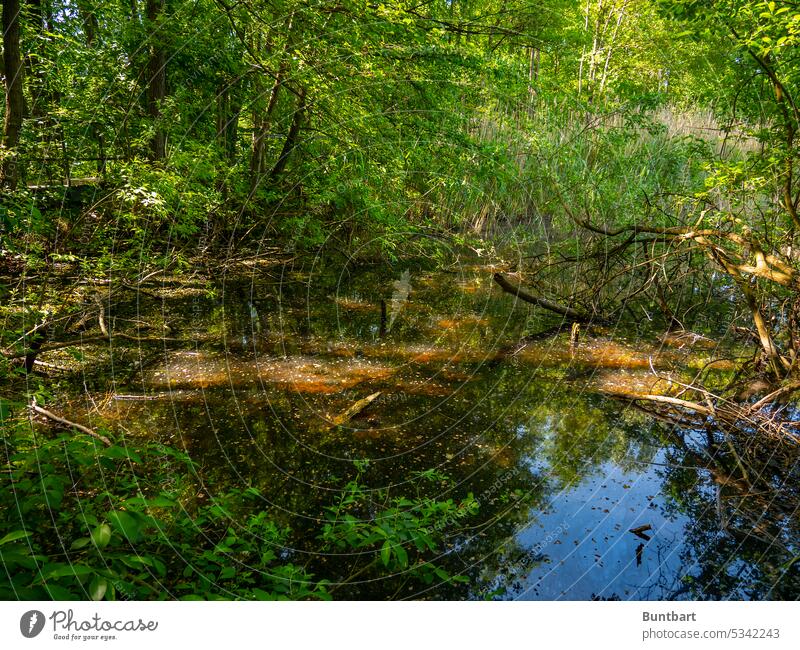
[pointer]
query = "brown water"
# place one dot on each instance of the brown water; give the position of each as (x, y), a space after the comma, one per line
(561, 472)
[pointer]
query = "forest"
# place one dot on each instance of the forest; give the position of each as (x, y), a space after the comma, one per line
(413, 299)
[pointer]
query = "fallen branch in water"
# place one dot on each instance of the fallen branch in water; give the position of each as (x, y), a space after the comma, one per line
(568, 312)
(727, 416)
(641, 531)
(355, 409)
(51, 366)
(68, 423)
(768, 399)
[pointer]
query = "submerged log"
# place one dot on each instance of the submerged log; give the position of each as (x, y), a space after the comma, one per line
(725, 415)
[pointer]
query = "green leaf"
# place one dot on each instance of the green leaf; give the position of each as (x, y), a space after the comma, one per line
(116, 451)
(260, 594)
(442, 574)
(13, 559)
(156, 502)
(57, 592)
(17, 534)
(386, 552)
(97, 588)
(5, 409)
(101, 535)
(126, 524)
(402, 556)
(64, 570)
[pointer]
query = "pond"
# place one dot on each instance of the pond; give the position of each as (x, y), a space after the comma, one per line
(580, 496)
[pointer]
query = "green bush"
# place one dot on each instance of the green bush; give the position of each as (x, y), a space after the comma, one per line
(79, 520)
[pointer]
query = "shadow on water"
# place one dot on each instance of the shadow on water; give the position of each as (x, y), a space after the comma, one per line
(562, 474)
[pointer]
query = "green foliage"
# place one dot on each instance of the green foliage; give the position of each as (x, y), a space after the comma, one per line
(403, 534)
(175, 202)
(84, 521)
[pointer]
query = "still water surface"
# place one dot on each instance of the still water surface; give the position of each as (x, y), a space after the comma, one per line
(562, 473)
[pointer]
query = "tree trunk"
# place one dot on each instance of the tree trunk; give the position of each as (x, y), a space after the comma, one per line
(223, 112)
(33, 60)
(15, 101)
(610, 47)
(778, 363)
(291, 139)
(90, 23)
(263, 120)
(568, 313)
(157, 72)
(228, 110)
(583, 49)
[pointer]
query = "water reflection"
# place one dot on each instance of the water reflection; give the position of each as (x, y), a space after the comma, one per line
(561, 473)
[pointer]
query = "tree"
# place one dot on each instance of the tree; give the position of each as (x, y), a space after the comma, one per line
(157, 76)
(15, 100)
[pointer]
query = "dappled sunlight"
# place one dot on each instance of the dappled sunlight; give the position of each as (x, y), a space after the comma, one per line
(596, 353)
(302, 374)
(463, 322)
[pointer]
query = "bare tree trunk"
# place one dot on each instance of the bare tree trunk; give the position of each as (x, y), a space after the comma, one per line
(291, 139)
(533, 72)
(596, 46)
(157, 72)
(262, 121)
(779, 364)
(33, 62)
(15, 100)
(223, 108)
(228, 111)
(583, 51)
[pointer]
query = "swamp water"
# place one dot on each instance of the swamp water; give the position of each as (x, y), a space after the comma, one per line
(561, 472)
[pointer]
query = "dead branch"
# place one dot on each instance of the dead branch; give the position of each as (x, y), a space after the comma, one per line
(355, 409)
(68, 423)
(568, 312)
(768, 399)
(92, 339)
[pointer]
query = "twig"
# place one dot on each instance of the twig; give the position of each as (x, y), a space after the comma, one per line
(783, 390)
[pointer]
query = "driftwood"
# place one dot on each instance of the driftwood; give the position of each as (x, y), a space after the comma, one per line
(723, 414)
(39, 339)
(567, 312)
(355, 409)
(68, 423)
